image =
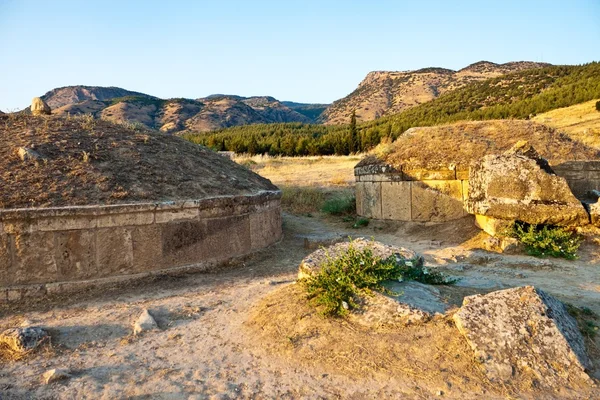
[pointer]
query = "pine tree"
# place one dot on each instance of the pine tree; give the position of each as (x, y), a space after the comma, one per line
(354, 145)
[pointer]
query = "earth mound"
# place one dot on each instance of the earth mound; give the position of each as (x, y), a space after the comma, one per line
(457, 145)
(86, 161)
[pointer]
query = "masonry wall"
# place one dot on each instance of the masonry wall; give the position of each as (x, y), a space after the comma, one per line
(44, 250)
(439, 195)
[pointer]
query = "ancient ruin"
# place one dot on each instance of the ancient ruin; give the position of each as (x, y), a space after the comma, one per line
(104, 202)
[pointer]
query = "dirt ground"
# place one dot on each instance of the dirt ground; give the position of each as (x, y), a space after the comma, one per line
(222, 335)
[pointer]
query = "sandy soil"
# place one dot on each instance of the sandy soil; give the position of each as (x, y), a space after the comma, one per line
(209, 343)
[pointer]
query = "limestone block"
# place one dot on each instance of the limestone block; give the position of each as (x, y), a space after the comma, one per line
(75, 253)
(64, 223)
(229, 236)
(368, 199)
(114, 247)
(182, 242)
(524, 333)
(436, 200)
(128, 219)
(265, 228)
(396, 200)
(425, 174)
(147, 248)
(162, 217)
(6, 275)
(493, 226)
(519, 187)
(39, 107)
(34, 258)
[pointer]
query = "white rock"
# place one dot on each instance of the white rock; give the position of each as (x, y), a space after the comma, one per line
(145, 322)
(56, 374)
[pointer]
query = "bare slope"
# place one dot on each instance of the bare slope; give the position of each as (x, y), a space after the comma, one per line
(87, 161)
(389, 92)
(440, 147)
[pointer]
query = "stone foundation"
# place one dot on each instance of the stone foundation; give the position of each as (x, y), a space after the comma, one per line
(45, 249)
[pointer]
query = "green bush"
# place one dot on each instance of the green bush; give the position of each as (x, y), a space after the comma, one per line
(340, 205)
(586, 320)
(360, 222)
(340, 283)
(541, 241)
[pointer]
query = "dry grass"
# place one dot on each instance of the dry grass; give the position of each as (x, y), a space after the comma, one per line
(581, 122)
(314, 171)
(444, 146)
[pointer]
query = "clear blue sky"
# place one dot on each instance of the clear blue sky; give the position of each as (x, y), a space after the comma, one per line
(306, 51)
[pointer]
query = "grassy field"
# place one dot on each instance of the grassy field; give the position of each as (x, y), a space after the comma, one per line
(581, 122)
(309, 184)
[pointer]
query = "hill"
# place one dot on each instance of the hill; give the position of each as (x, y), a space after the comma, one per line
(518, 96)
(581, 121)
(390, 92)
(173, 115)
(81, 160)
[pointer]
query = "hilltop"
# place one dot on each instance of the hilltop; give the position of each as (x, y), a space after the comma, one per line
(390, 92)
(173, 115)
(581, 121)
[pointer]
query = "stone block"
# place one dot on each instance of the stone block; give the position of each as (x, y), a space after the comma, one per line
(368, 199)
(265, 228)
(462, 175)
(34, 258)
(396, 201)
(493, 226)
(147, 248)
(183, 242)
(230, 236)
(162, 217)
(129, 219)
(436, 201)
(65, 223)
(426, 174)
(114, 251)
(75, 254)
(6, 274)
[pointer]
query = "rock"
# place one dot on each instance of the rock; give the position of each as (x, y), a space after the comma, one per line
(524, 333)
(26, 154)
(313, 242)
(313, 262)
(594, 207)
(493, 226)
(506, 245)
(22, 340)
(144, 323)
(55, 375)
(39, 107)
(520, 186)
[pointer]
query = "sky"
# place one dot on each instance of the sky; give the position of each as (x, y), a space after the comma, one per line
(305, 51)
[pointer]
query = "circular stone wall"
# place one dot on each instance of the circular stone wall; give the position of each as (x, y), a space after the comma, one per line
(49, 250)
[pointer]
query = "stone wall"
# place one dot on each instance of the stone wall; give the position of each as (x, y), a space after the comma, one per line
(438, 195)
(45, 250)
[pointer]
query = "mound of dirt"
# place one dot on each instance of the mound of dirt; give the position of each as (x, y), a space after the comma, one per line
(444, 146)
(85, 161)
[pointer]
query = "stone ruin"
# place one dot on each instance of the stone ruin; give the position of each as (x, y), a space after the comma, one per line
(39, 107)
(521, 334)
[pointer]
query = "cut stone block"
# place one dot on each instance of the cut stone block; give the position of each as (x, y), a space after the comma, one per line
(396, 200)
(437, 201)
(75, 254)
(368, 199)
(34, 258)
(147, 248)
(524, 333)
(493, 226)
(114, 248)
(265, 228)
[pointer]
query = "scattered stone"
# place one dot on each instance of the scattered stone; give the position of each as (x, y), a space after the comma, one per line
(22, 340)
(26, 154)
(519, 185)
(313, 242)
(39, 107)
(506, 245)
(144, 323)
(312, 263)
(55, 375)
(524, 333)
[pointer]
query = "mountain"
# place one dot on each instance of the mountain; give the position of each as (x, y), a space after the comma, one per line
(174, 115)
(312, 111)
(390, 92)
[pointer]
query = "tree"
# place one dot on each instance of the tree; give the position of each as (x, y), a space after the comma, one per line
(354, 145)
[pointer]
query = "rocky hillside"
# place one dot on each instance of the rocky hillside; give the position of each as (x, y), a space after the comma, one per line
(173, 115)
(390, 92)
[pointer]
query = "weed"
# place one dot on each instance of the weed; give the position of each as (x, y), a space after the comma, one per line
(302, 200)
(546, 240)
(342, 280)
(340, 205)
(586, 320)
(360, 223)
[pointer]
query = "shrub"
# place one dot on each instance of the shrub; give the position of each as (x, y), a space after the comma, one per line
(301, 200)
(586, 320)
(341, 282)
(598, 105)
(340, 205)
(541, 241)
(360, 222)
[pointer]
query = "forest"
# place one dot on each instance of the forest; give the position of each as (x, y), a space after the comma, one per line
(519, 95)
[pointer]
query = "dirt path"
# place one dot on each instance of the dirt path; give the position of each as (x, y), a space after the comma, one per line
(204, 348)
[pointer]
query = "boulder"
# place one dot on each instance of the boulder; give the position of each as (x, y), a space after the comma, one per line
(313, 262)
(145, 322)
(27, 154)
(524, 333)
(39, 107)
(594, 207)
(55, 375)
(519, 185)
(22, 340)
